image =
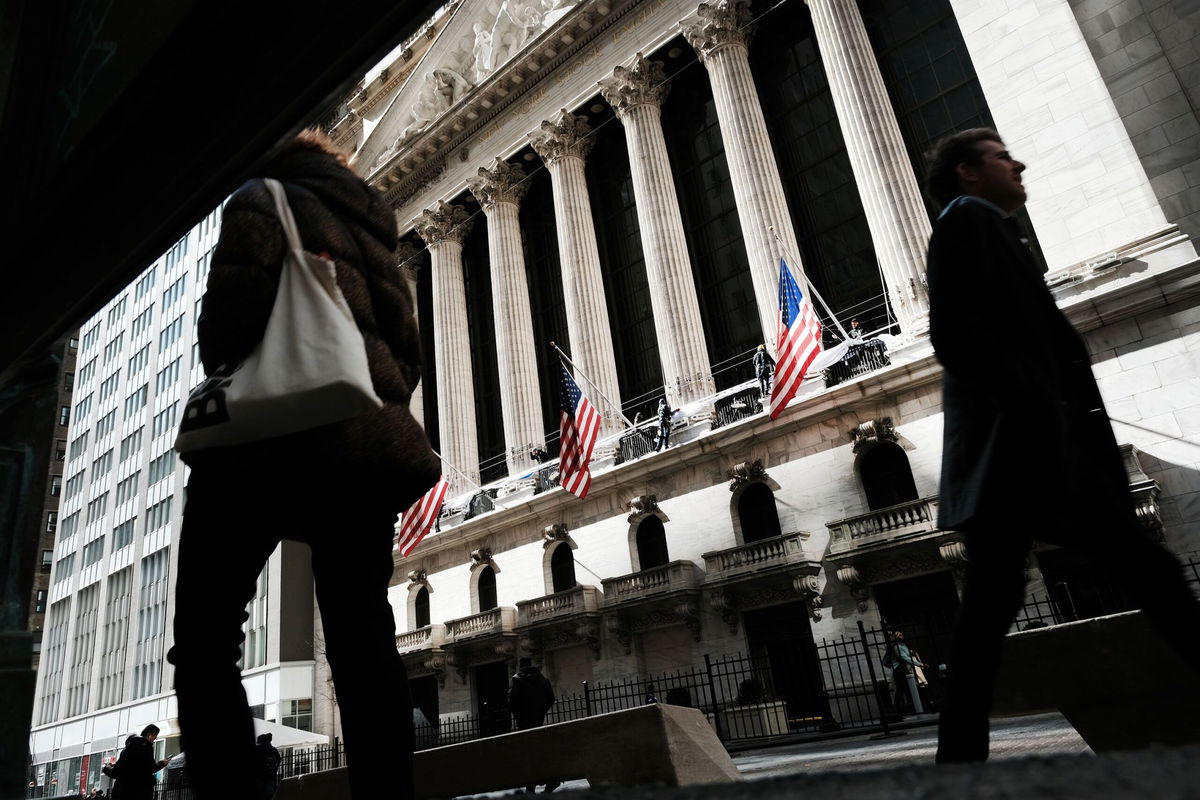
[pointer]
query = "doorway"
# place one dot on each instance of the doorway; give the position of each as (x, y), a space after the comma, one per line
(786, 664)
(491, 698)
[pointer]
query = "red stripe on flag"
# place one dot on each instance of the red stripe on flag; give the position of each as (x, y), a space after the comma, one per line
(419, 518)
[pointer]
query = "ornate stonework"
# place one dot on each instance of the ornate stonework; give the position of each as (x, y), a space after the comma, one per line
(553, 534)
(716, 25)
(953, 553)
(443, 223)
(566, 135)
(481, 556)
(849, 575)
(501, 183)
(808, 587)
(408, 260)
(418, 577)
(746, 473)
(642, 83)
(873, 432)
(642, 506)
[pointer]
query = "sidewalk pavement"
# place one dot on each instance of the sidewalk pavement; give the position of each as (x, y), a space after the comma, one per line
(1033, 757)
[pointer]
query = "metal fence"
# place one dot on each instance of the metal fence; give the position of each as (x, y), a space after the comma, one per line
(738, 406)
(861, 359)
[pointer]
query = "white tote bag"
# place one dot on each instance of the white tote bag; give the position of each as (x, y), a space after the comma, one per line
(310, 368)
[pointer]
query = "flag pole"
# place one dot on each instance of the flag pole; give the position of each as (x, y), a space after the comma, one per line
(836, 322)
(595, 388)
(470, 480)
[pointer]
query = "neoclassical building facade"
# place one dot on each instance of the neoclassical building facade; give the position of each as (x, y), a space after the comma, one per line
(623, 179)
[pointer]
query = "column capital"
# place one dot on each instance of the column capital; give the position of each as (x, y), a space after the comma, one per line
(562, 136)
(501, 183)
(717, 25)
(443, 223)
(644, 82)
(408, 260)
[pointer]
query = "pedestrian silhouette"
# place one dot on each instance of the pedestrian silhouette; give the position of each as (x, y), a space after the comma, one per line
(530, 696)
(1015, 391)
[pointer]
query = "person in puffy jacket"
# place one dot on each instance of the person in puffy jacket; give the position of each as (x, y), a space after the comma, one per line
(337, 488)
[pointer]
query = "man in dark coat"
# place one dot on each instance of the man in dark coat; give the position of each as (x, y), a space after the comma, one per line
(268, 759)
(134, 771)
(530, 696)
(1020, 399)
(665, 413)
(337, 488)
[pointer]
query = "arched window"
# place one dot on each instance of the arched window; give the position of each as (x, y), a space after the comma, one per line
(487, 589)
(562, 568)
(886, 476)
(651, 543)
(421, 608)
(757, 513)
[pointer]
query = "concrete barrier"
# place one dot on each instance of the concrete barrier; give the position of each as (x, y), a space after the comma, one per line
(654, 744)
(1113, 678)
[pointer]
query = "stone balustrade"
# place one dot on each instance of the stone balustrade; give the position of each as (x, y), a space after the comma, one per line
(496, 621)
(426, 638)
(778, 551)
(578, 600)
(675, 576)
(883, 525)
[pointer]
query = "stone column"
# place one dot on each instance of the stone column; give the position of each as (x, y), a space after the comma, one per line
(443, 228)
(563, 143)
(637, 94)
(890, 195)
(408, 259)
(720, 33)
(499, 190)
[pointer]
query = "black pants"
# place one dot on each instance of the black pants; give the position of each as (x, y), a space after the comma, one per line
(230, 528)
(995, 591)
(664, 436)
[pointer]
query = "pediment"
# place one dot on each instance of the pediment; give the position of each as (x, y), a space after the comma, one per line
(480, 37)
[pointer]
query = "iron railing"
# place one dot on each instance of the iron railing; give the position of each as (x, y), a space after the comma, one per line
(859, 360)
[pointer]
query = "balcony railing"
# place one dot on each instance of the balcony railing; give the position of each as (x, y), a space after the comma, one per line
(777, 551)
(635, 444)
(498, 620)
(579, 600)
(675, 576)
(738, 406)
(429, 637)
(859, 360)
(883, 525)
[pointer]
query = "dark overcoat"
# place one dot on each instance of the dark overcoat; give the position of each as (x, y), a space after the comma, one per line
(1027, 438)
(337, 214)
(133, 773)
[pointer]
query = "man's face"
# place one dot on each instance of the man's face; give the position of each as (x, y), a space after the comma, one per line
(997, 177)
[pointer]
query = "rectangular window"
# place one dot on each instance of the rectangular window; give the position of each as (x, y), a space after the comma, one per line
(123, 534)
(88, 371)
(106, 424)
(64, 568)
(73, 344)
(102, 465)
(254, 645)
(145, 284)
(151, 625)
(109, 385)
(171, 333)
(114, 638)
(78, 446)
(158, 515)
(297, 714)
(83, 646)
(74, 485)
(138, 361)
(117, 311)
(55, 485)
(131, 444)
(168, 376)
(136, 401)
(164, 421)
(162, 466)
(97, 508)
(174, 292)
(60, 450)
(141, 323)
(54, 647)
(70, 524)
(64, 415)
(51, 521)
(68, 381)
(113, 348)
(40, 606)
(82, 409)
(47, 560)
(90, 338)
(127, 488)
(93, 551)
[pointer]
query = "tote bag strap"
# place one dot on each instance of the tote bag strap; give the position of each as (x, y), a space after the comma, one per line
(285, 213)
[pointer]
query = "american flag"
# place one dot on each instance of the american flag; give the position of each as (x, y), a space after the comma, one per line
(796, 344)
(419, 519)
(577, 437)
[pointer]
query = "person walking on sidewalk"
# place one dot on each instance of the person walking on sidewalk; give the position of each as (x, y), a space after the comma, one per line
(1007, 386)
(530, 696)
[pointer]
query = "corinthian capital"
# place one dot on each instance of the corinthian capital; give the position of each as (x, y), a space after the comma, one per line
(443, 223)
(564, 135)
(716, 25)
(408, 260)
(642, 83)
(501, 183)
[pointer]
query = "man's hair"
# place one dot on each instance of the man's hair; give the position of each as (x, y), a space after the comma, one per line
(150, 729)
(316, 140)
(265, 737)
(958, 148)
